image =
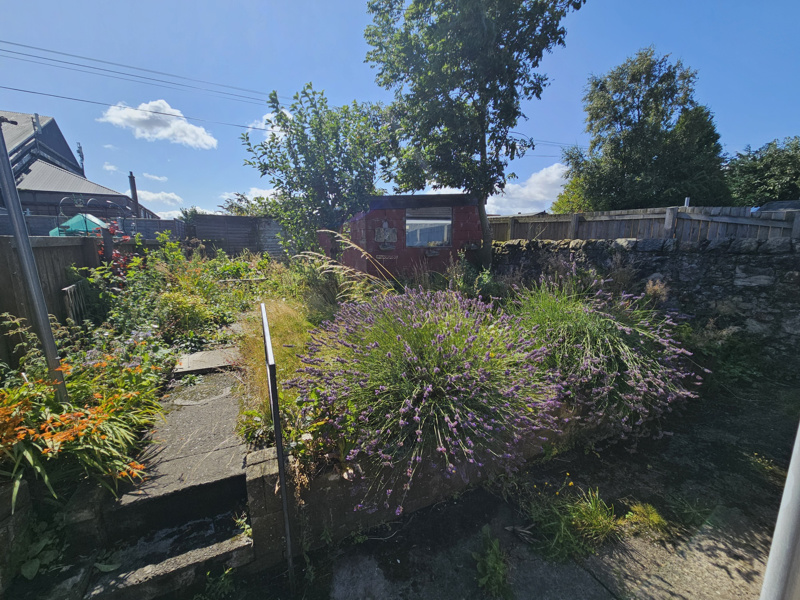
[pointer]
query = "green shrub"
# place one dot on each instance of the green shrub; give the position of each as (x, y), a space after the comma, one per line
(113, 386)
(425, 376)
(179, 313)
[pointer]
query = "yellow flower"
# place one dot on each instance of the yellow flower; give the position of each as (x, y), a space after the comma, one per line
(570, 483)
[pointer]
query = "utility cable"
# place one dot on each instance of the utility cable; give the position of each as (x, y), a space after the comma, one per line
(154, 112)
(143, 77)
(212, 93)
(115, 64)
(181, 116)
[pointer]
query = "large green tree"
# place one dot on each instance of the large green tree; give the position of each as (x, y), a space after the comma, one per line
(770, 173)
(652, 144)
(322, 162)
(460, 70)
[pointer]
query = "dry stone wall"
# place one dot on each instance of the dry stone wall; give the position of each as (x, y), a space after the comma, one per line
(747, 284)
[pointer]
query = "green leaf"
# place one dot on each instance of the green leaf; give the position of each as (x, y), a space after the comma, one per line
(48, 556)
(107, 568)
(30, 568)
(37, 547)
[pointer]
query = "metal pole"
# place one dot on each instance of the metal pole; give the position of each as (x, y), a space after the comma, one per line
(782, 577)
(276, 424)
(41, 321)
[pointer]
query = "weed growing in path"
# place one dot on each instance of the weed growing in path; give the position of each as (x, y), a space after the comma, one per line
(492, 566)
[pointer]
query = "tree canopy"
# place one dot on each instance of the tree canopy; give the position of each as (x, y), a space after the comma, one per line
(241, 205)
(771, 173)
(652, 144)
(322, 162)
(460, 69)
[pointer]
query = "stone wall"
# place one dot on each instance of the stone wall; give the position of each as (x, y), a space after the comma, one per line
(748, 284)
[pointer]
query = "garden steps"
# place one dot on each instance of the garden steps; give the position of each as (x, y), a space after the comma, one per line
(172, 528)
(172, 561)
(168, 531)
(195, 463)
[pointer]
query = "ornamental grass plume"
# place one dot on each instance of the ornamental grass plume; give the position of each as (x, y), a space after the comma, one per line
(425, 378)
(621, 368)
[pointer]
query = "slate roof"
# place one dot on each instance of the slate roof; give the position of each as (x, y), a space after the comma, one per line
(50, 136)
(41, 176)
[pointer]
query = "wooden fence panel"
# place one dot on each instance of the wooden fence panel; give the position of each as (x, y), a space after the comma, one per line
(694, 223)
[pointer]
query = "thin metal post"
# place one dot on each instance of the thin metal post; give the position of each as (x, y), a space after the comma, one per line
(276, 424)
(782, 577)
(30, 273)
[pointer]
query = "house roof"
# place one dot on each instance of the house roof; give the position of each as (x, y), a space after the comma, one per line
(50, 136)
(421, 201)
(16, 135)
(41, 176)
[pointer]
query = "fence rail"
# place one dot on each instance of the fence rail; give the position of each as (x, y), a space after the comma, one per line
(693, 223)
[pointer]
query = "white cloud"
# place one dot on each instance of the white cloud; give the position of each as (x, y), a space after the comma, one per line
(109, 167)
(109, 146)
(170, 125)
(263, 125)
(176, 214)
(154, 177)
(253, 192)
(168, 198)
(169, 214)
(538, 192)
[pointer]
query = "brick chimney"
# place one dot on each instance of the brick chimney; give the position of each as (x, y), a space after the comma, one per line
(134, 195)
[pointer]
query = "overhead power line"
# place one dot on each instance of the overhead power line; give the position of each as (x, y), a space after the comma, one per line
(181, 116)
(115, 64)
(124, 77)
(144, 110)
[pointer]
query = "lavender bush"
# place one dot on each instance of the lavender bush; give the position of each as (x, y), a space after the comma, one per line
(425, 377)
(620, 367)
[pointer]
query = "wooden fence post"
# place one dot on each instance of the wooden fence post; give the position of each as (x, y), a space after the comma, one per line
(573, 226)
(669, 222)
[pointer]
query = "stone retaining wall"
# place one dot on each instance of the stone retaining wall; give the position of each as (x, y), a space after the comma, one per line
(748, 284)
(327, 509)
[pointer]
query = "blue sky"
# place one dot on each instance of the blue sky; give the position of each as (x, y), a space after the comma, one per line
(746, 54)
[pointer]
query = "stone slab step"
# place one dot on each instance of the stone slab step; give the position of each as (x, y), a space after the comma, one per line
(207, 360)
(195, 462)
(172, 561)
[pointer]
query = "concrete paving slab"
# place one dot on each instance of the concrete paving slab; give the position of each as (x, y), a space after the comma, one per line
(174, 574)
(197, 443)
(195, 464)
(725, 550)
(207, 360)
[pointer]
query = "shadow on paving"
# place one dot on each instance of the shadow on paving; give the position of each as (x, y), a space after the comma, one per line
(717, 479)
